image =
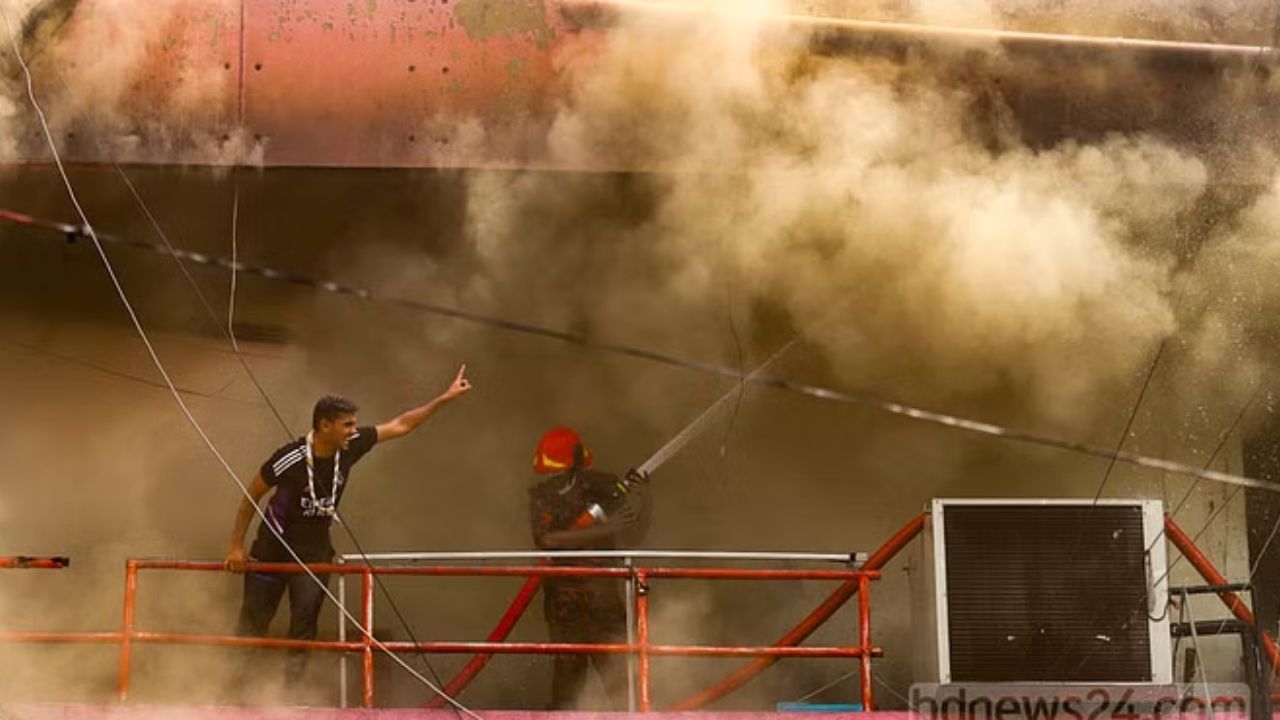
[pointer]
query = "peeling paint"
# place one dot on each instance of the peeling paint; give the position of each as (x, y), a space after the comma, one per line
(515, 67)
(484, 19)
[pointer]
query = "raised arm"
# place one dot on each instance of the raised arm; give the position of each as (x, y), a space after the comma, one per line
(236, 556)
(406, 422)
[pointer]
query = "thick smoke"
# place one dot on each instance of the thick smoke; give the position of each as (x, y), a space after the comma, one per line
(97, 67)
(1230, 21)
(923, 238)
(914, 257)
(915, 229)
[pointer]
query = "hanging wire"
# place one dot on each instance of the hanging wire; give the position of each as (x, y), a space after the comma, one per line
(195, 424)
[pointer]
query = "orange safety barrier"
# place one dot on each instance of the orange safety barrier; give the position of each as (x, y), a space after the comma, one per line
(642, 648)
(852, 582)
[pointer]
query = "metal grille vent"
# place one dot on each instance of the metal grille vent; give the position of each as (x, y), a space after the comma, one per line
(1047, 594)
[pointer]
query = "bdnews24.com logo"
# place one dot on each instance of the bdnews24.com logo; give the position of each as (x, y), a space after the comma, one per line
(1076, 702)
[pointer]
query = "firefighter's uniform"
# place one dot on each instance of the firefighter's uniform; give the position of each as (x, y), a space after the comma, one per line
(579, 610)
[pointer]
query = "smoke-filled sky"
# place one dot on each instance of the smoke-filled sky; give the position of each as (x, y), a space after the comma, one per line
(1002, 234)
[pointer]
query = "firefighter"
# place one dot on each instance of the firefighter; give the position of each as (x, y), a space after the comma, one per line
(579, 508)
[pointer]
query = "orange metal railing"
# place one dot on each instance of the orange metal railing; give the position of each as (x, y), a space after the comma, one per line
(642, 648)
(852, 582)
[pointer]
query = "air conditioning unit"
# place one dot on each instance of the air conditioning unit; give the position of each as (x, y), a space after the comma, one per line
(1042, 592)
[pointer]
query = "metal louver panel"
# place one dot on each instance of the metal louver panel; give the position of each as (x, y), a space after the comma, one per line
(1053, 593)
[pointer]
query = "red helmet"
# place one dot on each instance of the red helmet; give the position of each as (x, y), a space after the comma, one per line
(558, 450)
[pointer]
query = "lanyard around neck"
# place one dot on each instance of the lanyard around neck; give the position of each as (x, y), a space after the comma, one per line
(331, 505)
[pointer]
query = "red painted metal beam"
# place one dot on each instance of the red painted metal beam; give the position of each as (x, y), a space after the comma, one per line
(24, 562)
(394, 83)
(1205, 567)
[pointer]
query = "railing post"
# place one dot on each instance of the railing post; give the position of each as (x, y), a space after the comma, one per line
(642, 638)
(126, 634)
(366, 618)
(631, 635)
(342, 635)
(864, 640)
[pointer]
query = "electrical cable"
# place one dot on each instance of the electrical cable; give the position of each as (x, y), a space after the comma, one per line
(229, 332)
(128, 306)
(856, 398)
(73, 360)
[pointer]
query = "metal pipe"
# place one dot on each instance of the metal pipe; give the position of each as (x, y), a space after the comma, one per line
(1207, 589)
(917, 30)
(155, 638)
(642, 639)
(734, 574)
(342, 637)
(1210, 628)
(1195, 642)
(535, 648)
(846, 558)
(796, 635)
(1205, 567)
(443, 647)
(24, 636)
(23, 562)
(352, 569)
(521, 571)
(127, 628)
(864, 641)
(260, 567)
(630, 590)
(366, 638)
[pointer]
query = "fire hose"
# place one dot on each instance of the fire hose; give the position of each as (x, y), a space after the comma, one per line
(592, 515)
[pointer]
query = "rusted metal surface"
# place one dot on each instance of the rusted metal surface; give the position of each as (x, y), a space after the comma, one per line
(392, 82)
(384, 83)
(299, 82)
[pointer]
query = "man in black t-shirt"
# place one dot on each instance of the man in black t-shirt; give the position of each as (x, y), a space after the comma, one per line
(309, 476)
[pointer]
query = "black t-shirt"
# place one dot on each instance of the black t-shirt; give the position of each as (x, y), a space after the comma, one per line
(305, 523)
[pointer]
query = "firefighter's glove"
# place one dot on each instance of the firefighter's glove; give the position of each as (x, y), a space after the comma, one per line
(633, 511)
(637, 477)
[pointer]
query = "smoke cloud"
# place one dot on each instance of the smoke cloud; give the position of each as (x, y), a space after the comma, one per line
(1007, 236)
